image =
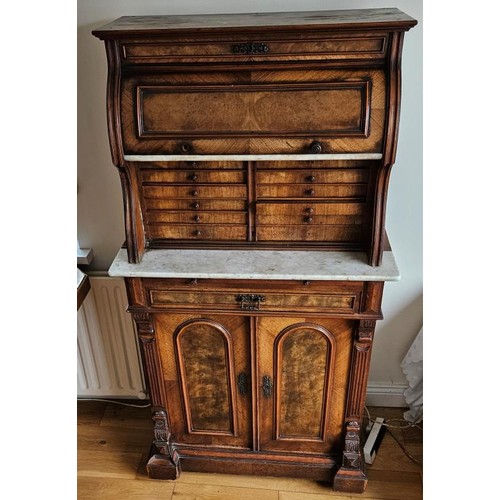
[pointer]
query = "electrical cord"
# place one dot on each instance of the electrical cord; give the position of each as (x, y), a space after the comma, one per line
(407, 426)
(115, 402)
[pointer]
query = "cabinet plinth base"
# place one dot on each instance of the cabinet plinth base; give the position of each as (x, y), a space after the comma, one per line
(350, 481)
(162, 467)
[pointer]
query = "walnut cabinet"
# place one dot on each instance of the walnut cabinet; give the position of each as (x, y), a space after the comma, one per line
(257, 377)
(271, 133)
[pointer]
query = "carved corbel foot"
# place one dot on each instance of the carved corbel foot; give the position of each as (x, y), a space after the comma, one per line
(163, 462)
(161, 466)
(351, 477)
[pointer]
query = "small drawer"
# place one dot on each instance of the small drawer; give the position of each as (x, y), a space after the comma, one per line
(198, 232)
(243, 296)
(312, 191)
(313, 220)
(311, 176)
(195, 192)
(194, 204)
(189, 165)
(307, 232)
(193, 176)
(298, 208)
(196, 217)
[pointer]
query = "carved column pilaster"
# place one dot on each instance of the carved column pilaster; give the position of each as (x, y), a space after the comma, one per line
(164, 461)
(351, 476)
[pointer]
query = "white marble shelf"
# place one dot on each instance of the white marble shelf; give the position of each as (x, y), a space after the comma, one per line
(256, 264)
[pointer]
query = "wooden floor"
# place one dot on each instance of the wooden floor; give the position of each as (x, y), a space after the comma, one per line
(113, 442)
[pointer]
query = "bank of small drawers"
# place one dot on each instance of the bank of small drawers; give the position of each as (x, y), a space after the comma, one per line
(204, 201)
(303, 201)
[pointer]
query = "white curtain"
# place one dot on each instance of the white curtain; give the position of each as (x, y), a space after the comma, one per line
(412, 366)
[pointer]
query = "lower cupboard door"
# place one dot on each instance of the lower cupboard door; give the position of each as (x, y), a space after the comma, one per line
(206, 371)
(303, 379)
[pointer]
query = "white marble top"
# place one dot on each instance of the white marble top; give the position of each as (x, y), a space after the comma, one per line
(256, 264)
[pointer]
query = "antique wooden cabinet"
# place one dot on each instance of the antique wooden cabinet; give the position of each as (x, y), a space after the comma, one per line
(254, 152)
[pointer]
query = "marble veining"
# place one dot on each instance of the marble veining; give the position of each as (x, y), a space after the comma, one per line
(256, 264)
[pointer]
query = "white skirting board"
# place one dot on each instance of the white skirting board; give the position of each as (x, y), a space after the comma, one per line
(109, 363)
(386, 394)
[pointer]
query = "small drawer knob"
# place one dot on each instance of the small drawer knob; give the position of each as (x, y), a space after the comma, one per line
(193, 282)
(194, 192)
(185, 147)
(310, 210)
(192, 177)
(192, 164)
(311, 178)
(306, 283)
(195, 205)
(309, 192)
(197, 232)
(308, 220)
(315, 147)
(196, 218)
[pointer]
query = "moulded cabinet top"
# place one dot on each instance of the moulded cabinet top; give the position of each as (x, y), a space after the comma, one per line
(334, 19)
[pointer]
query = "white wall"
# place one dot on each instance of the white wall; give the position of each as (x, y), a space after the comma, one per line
(100, 215)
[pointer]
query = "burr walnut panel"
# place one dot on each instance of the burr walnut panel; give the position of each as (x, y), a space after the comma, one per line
(304, 355)
(254, 112)
(202, 351)
(308, 363)
(201, 358)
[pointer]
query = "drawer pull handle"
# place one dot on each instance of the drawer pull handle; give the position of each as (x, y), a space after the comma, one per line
(308, 220)
(242, 383)
(250, 48)
(192, 164)
(193, 282)
(309, 192)
(315, 147)
(192, 177)
(310, 210)
(250, 301)
(267, 386)
(185, 147)
(194, 193)
(196, 218)
(195, 205)
(311, 178)
(197, 233)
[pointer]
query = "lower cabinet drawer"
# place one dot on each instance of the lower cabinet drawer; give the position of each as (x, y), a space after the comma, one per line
(193, 204)
(198, 232)
(195, 191)
(346, 299)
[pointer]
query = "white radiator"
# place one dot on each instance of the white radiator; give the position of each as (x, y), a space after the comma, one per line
(109, 363)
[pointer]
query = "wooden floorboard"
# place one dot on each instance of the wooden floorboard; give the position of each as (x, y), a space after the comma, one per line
(113, 443)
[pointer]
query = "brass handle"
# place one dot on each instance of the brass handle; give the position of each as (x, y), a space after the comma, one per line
(250, 301)
(195, 205)
(185, 147)
(315, 147)
(192, 164)
(267, 386)
(197, 233)
(309, 192)
(194, 193)
(310, 210)
(242, 383)
(308, 220)
(192, 177)
(310, 178)
(196, 218)
(193, 282)
(250, 48)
